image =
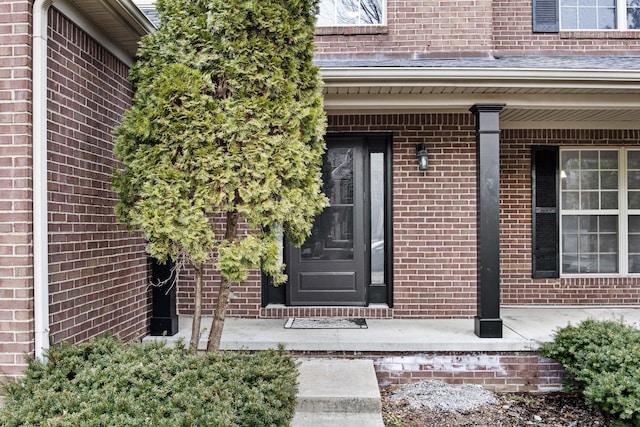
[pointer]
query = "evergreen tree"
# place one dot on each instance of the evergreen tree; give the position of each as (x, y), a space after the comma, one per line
(227, 119)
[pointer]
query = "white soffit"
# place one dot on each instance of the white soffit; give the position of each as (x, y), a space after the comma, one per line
(558, 98)
(119, 22)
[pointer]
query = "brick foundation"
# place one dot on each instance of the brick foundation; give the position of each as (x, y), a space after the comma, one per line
(499, 372)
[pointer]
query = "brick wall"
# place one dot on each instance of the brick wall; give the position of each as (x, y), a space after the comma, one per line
(434, 213)
(416, 27)
(515, 225)
(435, 224)
(513, 35)
(16, 274)
(466, 28)
(97, 269)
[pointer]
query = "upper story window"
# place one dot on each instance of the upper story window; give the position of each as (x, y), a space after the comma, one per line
(352, 12)
(599, 14)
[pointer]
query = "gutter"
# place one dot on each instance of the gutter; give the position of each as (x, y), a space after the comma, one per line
(39, 179)
(479, 77)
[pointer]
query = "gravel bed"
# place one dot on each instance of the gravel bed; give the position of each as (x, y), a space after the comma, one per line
(438, 395)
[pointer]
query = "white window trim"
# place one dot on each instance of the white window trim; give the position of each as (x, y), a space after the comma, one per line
(335, 24)
(623, 212)
(621, 19)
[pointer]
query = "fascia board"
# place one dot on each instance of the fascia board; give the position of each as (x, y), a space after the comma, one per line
(479, 77)
(132, 14)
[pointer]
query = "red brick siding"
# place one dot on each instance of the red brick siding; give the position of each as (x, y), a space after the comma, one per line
(434, 213)
(515, 225)
(435, 224)
(97, 269)
(414, 26)
(16, 273)
(512, 30)
(246, 298)
(467, 28)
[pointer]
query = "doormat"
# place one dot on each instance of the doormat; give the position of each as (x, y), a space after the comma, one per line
(325, 323)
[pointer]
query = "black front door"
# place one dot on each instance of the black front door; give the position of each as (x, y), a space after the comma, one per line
(329, 268)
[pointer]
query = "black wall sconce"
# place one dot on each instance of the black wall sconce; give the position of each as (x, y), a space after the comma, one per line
(422, 156)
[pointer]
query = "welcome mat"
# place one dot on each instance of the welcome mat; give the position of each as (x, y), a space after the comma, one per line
(325, 323)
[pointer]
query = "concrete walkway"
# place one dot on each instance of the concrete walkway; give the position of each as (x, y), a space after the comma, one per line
(524, 329)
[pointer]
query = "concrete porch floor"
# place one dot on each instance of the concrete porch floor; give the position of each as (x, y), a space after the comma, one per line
(524, 328)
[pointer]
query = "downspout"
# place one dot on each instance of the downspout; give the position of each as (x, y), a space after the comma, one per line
(39, 179)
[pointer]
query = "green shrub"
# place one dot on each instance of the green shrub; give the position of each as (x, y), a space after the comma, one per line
(106, 383)
(601, 359)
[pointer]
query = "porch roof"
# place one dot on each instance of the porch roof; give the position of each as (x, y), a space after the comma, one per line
(539, 91)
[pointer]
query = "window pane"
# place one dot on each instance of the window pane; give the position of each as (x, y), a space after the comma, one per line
(633, 180)
(351, 12)
(571, 180)
(634, 199)
(634, 244)
(570, 160)
(634, 224)
(589, 160)
(608, 243)
(609, 200)
(589, 200)
(570, 243)
(634, 263)
(609, 160)
(608, 264)
(608, 223)
(633, 18)
(569, 18)
(571, 200)
(327, 13)
(332, 236)
(589, 243)
(588, 223)
(371, 12)
(633, 159)
(570, 223)
(609, 180)
(589, 180)
(347, 12)
(607, 19)
(376, 161)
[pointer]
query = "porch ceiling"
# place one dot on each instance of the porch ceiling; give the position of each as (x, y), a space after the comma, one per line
(551, 98)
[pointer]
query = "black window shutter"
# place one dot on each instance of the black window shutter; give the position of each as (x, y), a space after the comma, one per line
(544, 178)
(545, 16)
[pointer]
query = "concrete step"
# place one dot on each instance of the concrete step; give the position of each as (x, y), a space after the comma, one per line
(337, 392)
(336, 419)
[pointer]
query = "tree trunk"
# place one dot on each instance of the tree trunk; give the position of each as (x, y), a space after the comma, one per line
(197, 313)
(224, 293)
